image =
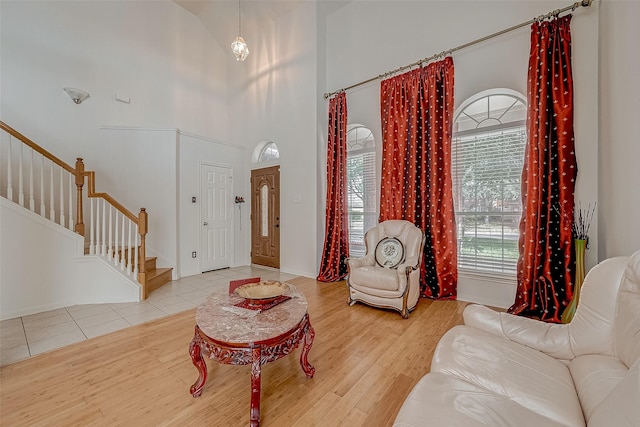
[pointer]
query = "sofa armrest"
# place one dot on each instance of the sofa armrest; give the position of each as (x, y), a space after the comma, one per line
(552, 339)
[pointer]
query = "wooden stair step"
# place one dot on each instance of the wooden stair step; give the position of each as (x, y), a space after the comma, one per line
(157, 277)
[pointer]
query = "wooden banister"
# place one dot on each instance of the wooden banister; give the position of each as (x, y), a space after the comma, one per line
(79, 174)
(141, 220)
(91, 192)
(11, 131)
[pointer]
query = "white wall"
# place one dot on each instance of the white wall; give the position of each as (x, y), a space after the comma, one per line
(160, 57)
(140, 166)
(273, 97)
(42, 267)
(193, 152)
(27, 239)
(162, 173)
(619, 174)
(154, 54)
(368, 38)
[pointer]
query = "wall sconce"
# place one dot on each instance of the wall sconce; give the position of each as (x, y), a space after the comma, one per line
(77, 95)
(239, 46)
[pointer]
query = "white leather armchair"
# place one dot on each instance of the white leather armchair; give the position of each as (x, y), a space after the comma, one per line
(389, 274)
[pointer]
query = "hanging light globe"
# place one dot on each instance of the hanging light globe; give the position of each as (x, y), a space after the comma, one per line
(240, 49)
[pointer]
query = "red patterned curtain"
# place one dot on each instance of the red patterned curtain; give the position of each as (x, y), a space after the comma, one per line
(417, 117)
(545, 274)
(336, 238)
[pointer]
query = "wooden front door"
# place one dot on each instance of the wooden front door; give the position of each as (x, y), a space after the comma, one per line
(265, 217)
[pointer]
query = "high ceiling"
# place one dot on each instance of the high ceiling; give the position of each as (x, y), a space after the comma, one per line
(220, 17)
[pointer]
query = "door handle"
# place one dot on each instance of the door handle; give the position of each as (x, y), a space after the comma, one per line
(206, 223)
(277, 225)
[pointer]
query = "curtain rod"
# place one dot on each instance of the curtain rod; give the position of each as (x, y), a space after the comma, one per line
(574, 6)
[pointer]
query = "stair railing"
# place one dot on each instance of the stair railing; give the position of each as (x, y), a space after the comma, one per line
(45, 177)
(115, 233)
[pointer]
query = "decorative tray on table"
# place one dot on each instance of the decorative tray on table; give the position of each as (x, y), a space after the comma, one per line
(263, 292)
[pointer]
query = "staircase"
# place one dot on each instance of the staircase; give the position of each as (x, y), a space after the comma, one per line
(155, 277)
(36, 178)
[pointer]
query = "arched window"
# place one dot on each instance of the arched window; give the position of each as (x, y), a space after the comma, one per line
(269, 152)
(489, 137)
(361, 186)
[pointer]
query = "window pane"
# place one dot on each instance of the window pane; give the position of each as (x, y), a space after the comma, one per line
(361, 187)
(487, 158)
(488, 242)
(269, 152)
(264, 211)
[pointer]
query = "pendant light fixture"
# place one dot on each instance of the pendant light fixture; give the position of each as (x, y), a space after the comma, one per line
(239, 47)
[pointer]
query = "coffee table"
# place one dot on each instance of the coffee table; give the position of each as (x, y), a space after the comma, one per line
(238, 336)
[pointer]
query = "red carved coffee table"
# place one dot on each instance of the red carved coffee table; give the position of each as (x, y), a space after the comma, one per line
(234, 336)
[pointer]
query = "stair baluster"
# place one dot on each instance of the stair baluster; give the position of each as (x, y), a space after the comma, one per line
(116, 252)
(121, 241)
(20, 179)
(52, 208)
(9, 174)
(32, 201)
(136, 253)
(70, 191)
(104, 229)
(92, 248)
(110, 248)
(62, 216)
(43, 207)
(129, 252)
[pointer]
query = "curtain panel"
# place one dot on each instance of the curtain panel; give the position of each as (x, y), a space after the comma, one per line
(545, 273)
(416, 110)
(333, 265)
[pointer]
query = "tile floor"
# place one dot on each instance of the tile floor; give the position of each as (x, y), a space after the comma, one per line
(27, 336)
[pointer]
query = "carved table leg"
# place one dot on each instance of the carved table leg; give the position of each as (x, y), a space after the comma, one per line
(306, 347)
(255, 386)
(196, 357)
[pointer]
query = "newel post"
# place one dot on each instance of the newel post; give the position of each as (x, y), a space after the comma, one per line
(79, 228)
(143, 225)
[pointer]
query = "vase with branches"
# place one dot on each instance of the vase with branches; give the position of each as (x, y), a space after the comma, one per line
(580, 231)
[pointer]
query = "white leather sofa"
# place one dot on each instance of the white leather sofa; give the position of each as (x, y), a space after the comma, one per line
(504, 370)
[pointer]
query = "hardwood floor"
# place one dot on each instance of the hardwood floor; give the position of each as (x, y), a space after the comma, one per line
(366, 359)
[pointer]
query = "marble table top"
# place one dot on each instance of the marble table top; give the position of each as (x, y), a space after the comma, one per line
(220, 320)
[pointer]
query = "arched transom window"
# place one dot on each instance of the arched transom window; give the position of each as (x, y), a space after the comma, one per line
(269, 153)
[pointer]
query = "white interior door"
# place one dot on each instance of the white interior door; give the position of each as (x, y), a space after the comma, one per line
(216, 217)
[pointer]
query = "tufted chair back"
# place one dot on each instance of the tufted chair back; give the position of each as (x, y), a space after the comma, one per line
(410, 236)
